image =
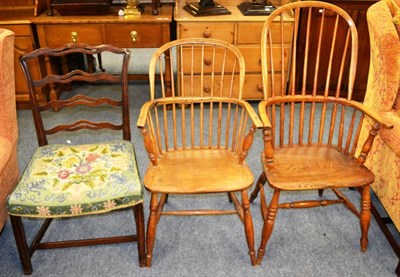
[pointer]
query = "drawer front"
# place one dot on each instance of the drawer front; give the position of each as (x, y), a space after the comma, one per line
(19, 30)
(60, 34)
(147, 35)
(207, 61)
(207, 88)
(253, 89)
(222, 31)
(250, 32)
(252, 58)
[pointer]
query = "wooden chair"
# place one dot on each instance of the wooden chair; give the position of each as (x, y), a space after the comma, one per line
(311, 133)
(197, 144)
(72, 180)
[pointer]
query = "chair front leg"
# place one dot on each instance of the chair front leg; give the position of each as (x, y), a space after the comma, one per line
(140, 233)
(248, 226)
(365, 216)
(268, 225)
(22, 245)
(151, 228)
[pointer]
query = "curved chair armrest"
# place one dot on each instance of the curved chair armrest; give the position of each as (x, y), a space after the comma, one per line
(253, 115)
(263, 114)
(187, 100)
(141, 122)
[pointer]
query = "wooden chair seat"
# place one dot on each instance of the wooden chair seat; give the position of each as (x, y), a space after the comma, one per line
(200, 171)
(313, 167)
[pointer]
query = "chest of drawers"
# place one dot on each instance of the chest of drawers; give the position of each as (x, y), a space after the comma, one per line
(242, 31)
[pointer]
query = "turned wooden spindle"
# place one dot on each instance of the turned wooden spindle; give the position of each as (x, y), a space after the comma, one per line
(368, 143)
(149, 146)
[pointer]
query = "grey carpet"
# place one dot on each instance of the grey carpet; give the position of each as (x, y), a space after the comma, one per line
(305, 242)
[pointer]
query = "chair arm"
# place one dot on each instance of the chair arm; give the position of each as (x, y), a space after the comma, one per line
(143, 113)
(384, 71)
(8, 112)
(253, 115)
(262, 106)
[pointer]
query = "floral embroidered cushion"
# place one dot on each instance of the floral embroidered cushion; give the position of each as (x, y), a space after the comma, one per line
(66, 180)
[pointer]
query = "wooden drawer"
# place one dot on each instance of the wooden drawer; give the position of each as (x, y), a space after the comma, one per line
(60, 34)
(222, 31)
(205, 88)
(207, 61)
(253, 89)
(19, 30)
(250, 32)
(148, 35)
(252, 58)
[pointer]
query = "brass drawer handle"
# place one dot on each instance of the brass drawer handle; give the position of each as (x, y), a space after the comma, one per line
(74, 37)
(133, 36)
(207, 34)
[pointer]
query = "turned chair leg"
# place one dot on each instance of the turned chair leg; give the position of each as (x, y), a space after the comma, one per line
(140, 233)
(365, 216)
(22, 245)
(260, 182)
(151, 228)
(248, 226)
(268, 225)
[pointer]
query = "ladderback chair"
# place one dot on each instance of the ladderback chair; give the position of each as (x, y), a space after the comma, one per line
(197, 144)
(311, 133)
(84, 173)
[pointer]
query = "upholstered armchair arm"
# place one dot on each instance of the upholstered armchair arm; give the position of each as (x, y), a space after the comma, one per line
(8, 115)
(384, 72)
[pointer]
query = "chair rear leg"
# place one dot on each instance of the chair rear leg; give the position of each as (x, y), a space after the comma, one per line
(268, 225)
(151, 228)
(248, 226)
(22, 245)
(260, 182)
(365, 216)
(140, 233)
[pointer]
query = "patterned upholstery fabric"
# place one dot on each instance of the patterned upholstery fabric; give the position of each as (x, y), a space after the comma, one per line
(8, 122)
(78, 180)
(383, 94)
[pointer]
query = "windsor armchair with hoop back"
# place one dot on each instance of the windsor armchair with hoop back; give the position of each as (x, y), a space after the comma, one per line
(311, 132)
(197, 144)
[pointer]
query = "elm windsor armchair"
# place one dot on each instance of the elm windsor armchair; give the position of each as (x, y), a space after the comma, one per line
(73, 180)
(197, 139)
(311, 132)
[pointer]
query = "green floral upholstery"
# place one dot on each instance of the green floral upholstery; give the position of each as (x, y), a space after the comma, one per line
(65, 180)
